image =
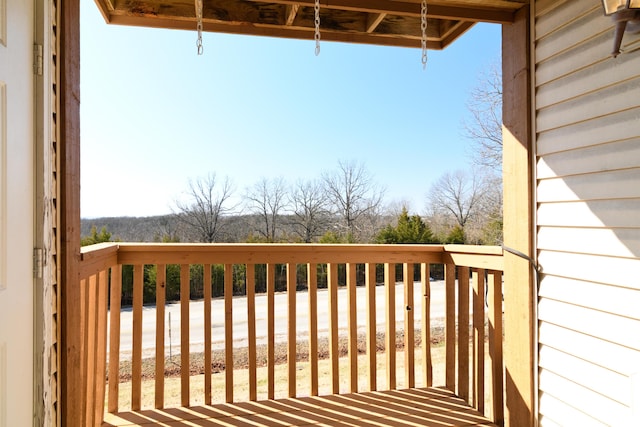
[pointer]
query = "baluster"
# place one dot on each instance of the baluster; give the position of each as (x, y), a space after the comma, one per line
(370, 279)
(228, 332)
(250, 283)
(136, 363)
(101, 346)
(409, 335)
(332, 281)
(463, 333)
(427, 363)
(206, 283)
(390, 287)
(271, 279)
(478, 338)
(291, 329)
(494, 298)
(352, 325)
(184, 334)
(161, 286)
(114, 338)
(91, 322)
(312, 279)
(450, 327)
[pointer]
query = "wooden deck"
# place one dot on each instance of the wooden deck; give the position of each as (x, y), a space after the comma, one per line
(412, 407)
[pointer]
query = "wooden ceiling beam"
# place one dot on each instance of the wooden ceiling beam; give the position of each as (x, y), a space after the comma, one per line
(382, 22)
(373, 20)
(401, 8)
(275, 31)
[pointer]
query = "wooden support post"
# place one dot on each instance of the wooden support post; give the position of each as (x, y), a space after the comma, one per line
(72, 377)
(518, 220)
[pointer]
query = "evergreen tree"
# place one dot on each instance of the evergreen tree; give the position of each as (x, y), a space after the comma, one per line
(95, 237)
(410, 229)
(456, 235)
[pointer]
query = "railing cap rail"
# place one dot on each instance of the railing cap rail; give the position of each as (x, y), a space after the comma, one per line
(104, 255)
(98, 247)
(474, 249)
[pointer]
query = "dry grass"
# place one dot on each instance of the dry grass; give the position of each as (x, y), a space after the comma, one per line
(241, 355)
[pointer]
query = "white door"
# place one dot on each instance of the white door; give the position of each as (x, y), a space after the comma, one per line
(16, 212)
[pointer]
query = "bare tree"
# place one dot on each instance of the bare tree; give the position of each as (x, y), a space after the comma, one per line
(308, 203)
(353, 194)
(206, 206)
(459, 194)
(267, 199)
(485, 126)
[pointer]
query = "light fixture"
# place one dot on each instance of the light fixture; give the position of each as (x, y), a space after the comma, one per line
(626, 15)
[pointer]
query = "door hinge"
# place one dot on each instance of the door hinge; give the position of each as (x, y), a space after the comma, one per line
(37, 263)
(37, 59)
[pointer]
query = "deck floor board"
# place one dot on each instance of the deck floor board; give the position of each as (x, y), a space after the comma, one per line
(431, 407)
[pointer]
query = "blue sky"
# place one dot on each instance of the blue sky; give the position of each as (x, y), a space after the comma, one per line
(155, 114)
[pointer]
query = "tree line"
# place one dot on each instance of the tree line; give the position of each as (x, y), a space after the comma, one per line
(358, 220)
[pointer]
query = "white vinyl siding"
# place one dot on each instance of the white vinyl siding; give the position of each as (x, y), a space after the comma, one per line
(588, 216)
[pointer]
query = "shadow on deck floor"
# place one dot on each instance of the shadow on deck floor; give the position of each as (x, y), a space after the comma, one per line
(429, 407)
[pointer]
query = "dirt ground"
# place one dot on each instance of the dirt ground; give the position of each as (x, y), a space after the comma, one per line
(241, 355)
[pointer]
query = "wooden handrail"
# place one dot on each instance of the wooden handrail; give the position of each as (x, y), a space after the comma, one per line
(487, 257)
(238, 253)
(101, 269)
(97, 258)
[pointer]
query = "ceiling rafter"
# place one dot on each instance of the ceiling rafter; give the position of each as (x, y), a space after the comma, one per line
(292, 11)
(373, 20)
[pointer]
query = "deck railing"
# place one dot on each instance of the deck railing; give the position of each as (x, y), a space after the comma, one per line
(470, 273)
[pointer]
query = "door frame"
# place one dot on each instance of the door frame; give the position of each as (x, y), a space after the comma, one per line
(45, 277)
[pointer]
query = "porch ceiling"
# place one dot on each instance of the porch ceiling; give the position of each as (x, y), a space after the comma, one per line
(379, 22)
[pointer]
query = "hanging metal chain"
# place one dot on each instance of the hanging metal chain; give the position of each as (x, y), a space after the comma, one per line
(199, 26)
(423, 27)
(316, 9)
